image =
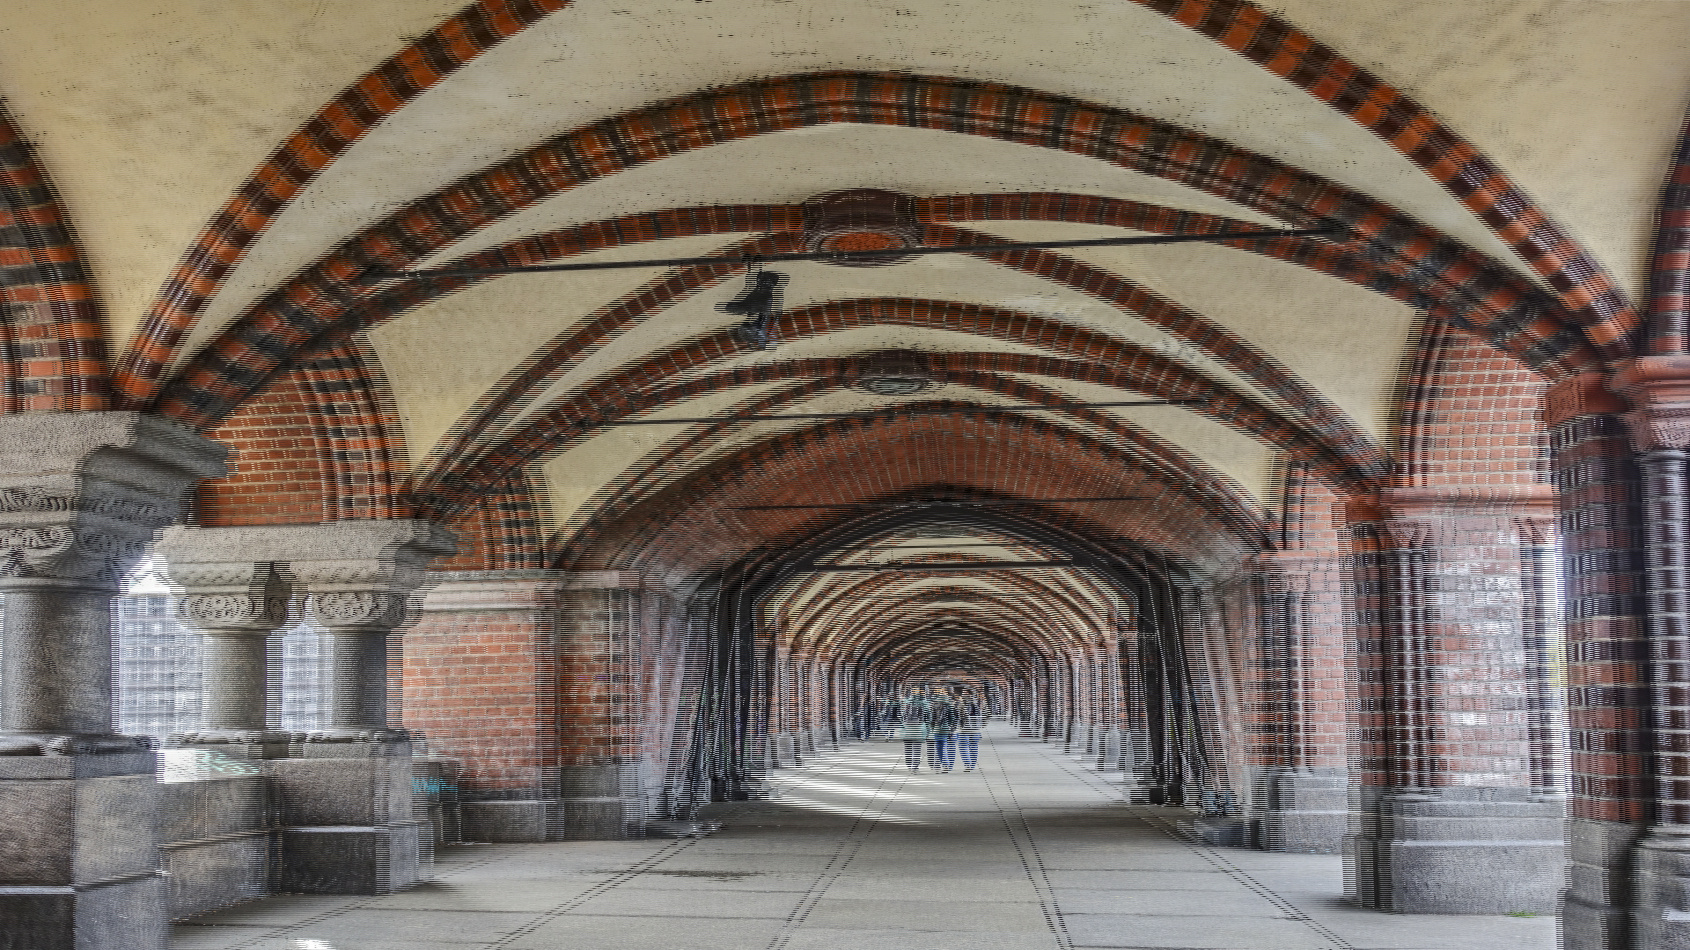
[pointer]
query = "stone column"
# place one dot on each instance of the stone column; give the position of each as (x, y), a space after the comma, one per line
(1109, 741)
(81, 496)
(1659, 390)
(1457, 827)
(346, 802)
(1306, 807)
(236, 603)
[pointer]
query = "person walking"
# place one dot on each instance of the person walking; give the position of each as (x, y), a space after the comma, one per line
(913, 726)
(971, 712)
(942, 746)
(891, 709)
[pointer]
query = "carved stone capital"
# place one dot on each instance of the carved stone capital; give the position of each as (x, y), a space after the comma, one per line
(362, 573)
(83, 494)
(1658, 388)
(1288, 571)
(376, 610)
(1577, 397)
(233, 612)
(1410, 518)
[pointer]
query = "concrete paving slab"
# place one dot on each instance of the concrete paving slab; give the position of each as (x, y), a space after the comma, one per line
(582, 932)
(1090, 879)
(519, 895)
(823, 938)
(1242, 903)
(419, 927)
(953, 890)
(922, 915)
(279, 911)
(214, 937)
(1210, 933)
(681, 880)
(645, 902)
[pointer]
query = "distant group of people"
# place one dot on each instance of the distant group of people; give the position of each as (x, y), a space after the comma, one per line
(945, 721)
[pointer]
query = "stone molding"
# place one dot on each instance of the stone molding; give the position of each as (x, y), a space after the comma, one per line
(1288, 572)
(1576, 397)
(1421, 517)
(83, 494)
(1658, 388)
(494, 591)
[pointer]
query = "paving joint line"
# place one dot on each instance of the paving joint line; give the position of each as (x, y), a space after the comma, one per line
(1211, 854)
(1041, 878)
(829, 874)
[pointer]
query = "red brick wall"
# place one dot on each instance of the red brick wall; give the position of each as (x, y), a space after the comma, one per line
(276, 459)
(482, 686)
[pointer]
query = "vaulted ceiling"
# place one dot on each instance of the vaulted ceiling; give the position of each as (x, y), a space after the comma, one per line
(230, 168)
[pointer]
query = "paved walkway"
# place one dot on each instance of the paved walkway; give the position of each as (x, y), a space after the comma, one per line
(1033, 851)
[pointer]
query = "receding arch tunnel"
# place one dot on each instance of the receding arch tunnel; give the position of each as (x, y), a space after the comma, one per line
(624, 423)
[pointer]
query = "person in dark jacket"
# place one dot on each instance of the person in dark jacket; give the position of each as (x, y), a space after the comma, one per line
(891, 708)
(915, 726)
(971, 713)
(942, 715)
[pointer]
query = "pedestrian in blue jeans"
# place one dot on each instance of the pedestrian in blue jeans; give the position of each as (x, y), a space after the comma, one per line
(941, 750)
(972, 715)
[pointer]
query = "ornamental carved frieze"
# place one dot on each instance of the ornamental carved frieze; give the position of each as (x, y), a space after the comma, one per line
(374, 609)
(73, 551)
(238, 611)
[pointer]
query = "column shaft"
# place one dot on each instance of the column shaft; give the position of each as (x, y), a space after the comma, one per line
(58, 660)
(233, 680)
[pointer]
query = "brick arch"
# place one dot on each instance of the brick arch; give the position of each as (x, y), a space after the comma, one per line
(687, 529)
(1669, 276)
(361, 430)
(1212, 490)
(551, 361)
(279, 467)
(383, 91)
(267, 337)
(1471, 418)
(844, 597)
(1505, 310)
(503, 531)
(848, 634)
(1110, 362)
(52, 343)
(1585, 287)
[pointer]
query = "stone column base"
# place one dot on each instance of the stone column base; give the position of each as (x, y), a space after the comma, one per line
(118, 915)
(238, 744)
(1661, 920)
(600, 802)
(1307, 812)
(528, 820)
(785, 750)
(1465, 851)
(217, 832)
(79, 846)
(1596, 906)
(1109, 751)
(346, 859)
(348, 818)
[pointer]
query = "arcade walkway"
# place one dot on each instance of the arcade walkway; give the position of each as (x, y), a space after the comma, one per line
(1033, 851)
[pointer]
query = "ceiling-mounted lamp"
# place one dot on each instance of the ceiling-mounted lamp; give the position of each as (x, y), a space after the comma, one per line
(758, 304)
